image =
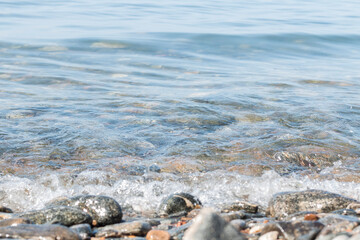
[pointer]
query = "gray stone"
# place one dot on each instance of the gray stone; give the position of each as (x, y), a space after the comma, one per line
(304, 230)
(83, 230)
(103, 210)
(283, 204)
(338, 223)
(67, 216)
(238, 224)
(350, 212)
(37, 232)
(136, 228)
(210, 226)
(341, 237)
(178, 203)
(233, 215)
(355, 237)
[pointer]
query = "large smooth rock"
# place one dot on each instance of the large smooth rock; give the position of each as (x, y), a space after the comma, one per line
(210, 226)
(103, 210)
(67, 216)
(31, 231)
(285, 203)
(178, 203)
(136, 228)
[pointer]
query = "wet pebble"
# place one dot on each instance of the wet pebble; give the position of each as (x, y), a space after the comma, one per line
(103, 210)
(67, 216)
(4, 209)
(136, 228)
(178, 203)
(209, 225)
(283, 204)
(158, 235)
(31, 231)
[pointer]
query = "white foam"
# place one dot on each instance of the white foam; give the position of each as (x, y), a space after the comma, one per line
(144, 193)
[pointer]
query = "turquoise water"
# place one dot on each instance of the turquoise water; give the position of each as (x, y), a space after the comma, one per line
(96, 95)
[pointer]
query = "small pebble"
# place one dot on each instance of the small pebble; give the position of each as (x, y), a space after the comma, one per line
(158, 235)
(311, 217)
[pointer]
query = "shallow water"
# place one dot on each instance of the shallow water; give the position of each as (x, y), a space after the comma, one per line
(139, 100)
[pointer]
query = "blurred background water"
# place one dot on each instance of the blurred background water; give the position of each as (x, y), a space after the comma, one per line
(136, 100)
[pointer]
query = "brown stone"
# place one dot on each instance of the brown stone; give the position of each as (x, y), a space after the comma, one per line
(158, 235)
(311, 217)
(136, 228)
(14, 222)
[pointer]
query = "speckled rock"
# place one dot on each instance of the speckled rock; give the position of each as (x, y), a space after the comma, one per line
(5, 209)
(158, 235)
(31, 231)
(210, 226)
(307, 230)
(241, 205)
(14, 222)
(136, 228)
(178, 203)
(83, 230)
(67, 216)
(286, 203)
(103, 210)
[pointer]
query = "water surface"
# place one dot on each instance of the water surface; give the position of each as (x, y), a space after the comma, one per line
(139, 100)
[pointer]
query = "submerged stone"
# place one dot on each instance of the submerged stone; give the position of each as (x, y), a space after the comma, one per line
(103, 210)
(31, 231)
(285, 203)
(210, 226)
(67, 216)
(177, 203)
